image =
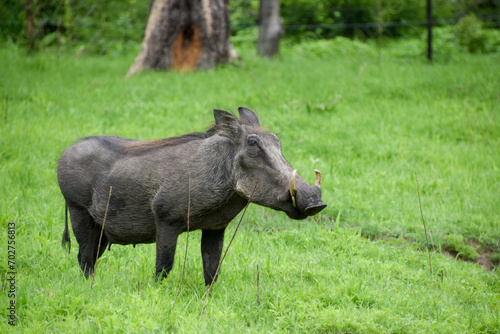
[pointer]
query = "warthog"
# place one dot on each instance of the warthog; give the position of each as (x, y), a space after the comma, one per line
(233, 162)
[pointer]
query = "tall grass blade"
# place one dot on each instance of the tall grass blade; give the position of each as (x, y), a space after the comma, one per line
(100, 238)
(187, 241)
(425, 226)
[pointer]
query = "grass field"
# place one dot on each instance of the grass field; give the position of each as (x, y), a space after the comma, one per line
(368, 123)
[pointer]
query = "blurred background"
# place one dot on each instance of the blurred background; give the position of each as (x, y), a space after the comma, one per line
(115, 26)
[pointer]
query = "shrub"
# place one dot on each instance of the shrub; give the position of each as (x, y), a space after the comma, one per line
(334, 47)
(470, 34)
(445, 45)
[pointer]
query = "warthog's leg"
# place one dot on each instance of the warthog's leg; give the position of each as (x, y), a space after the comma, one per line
(211, 249)
(87, 234)
(166, 241)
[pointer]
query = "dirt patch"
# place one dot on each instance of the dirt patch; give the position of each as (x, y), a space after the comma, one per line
(455, 246)
(485, 259)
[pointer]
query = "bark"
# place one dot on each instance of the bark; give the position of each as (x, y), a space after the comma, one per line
(270, 28)
(184, 35)
(30, 23)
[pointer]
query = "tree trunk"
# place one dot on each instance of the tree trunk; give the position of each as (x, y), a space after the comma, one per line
(270, 28)
(184, 35)
(30, 23)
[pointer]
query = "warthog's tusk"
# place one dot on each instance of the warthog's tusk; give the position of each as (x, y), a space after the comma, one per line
(292, 187)
(318, 178)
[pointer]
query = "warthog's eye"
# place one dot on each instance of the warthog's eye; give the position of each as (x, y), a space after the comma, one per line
(254, 146)
(253, 140)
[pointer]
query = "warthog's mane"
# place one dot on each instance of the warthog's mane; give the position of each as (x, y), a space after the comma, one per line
(131, 146)
(147, 146)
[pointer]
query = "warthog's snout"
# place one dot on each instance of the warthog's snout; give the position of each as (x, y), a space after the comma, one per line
(314, 208)
(306, 199)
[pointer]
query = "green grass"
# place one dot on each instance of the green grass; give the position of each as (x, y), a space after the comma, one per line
(357, 267)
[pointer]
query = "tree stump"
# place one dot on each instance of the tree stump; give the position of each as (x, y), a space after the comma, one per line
(184, 35)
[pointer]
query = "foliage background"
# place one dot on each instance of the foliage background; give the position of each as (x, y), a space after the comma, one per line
(113, 26)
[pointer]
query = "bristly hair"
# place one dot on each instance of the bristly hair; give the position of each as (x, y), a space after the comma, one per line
(146, 146)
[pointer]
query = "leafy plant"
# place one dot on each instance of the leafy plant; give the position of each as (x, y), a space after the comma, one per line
(445, 46)
(470, 34)
(339, 46)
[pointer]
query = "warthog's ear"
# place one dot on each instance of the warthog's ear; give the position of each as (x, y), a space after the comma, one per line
(248, 117)
(226, 124)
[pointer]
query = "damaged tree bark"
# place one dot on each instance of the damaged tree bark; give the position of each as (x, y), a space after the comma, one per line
(270, 28)
(184, 35)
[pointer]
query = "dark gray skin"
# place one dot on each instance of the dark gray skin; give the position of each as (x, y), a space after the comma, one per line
(149, 198)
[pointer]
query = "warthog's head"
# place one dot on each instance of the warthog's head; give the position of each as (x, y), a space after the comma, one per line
(261, 173)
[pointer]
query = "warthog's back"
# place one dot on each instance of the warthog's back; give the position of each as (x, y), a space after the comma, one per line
(86, 171)
(82, 163)
(136, 170)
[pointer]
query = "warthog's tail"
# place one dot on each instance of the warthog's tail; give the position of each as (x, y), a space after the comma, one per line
(66, 241)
